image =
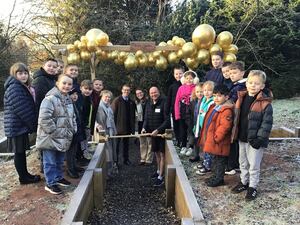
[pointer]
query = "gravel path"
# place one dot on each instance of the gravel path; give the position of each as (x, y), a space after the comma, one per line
(130, 198)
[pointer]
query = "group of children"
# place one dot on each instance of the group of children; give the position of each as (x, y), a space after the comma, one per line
(229, 118)
(60, 110)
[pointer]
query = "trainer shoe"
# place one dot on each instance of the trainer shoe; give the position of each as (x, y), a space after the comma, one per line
(230, 172)
(214, 183)
(203, 171)
(239, 188)
(63, 182)
(158, 182)
(183, 151)
(154, 175)
(251, 194)
(54, 189)
(189, 152)
(198, 167)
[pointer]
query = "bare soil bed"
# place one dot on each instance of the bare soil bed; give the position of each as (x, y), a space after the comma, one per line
(278, 201)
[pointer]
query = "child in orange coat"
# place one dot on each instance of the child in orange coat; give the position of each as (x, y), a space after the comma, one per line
(216, 133)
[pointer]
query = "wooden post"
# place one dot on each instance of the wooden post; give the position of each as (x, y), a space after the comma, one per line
(297, 132)
(170, 185)
(98, 188)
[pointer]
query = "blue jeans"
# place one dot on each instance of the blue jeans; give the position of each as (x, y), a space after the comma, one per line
(207, 160)
(53, 166)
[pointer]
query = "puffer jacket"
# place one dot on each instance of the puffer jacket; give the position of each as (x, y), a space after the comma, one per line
(20, 116)
(56, 123)
(216, 130)
(260, 117)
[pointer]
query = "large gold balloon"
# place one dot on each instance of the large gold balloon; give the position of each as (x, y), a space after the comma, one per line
(229, 57)
(203, 55)
(73, 58)
(156, 54)
(189, 49)
(85, 55)
(203, 36)
(215, 48)
(93, 33)
(71, 48)
(225, 39)
(102, 39)
(231, 49)
(180, 54)
(131, 62)
(91, 46)
(161, 63)
(170, 42)
(172, 58)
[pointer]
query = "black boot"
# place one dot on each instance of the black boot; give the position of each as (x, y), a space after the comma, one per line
(73, 174)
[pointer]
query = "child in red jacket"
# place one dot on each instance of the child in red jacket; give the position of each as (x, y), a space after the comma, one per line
(216, 133)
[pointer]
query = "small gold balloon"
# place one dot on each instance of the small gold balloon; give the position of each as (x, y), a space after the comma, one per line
(71, 48)
(82, 46)
(91, 46)
(180, 54)
(179, 42)
(102, 39)
(114, 54)
(85, 55)
(170, 42)
(84, 39)
(156, 54)
(192, 63)
(231, 49)
(189, 49)
(119, 61)
(139, 53)
(203, 55)
(151, 58)
(225, 39)
(161, 63)
(104, 55)
(174, 38)
(229, 57)
(76, 43)
(73, 58)
(172, 58)
(215, 48)
(143, 60)
(203, 36)
(93, 33)
(123, 55)
(131, 62)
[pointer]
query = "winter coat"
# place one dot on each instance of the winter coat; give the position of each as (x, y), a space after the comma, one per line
(172, 96)
(56, 123)
(260, 118)
(182, 100)
(20, 116)
(216, 130)
(42, 83)
(105, 118)
(156, 116)
(214, 75)
(125, 121)
(237, 86)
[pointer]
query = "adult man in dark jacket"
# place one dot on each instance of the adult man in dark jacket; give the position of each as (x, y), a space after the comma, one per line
(178, 72)
(124, 116)
(156, 121)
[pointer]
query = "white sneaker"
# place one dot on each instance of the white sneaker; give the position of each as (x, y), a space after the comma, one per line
(231, 172)
(189, 152)
(183, 151)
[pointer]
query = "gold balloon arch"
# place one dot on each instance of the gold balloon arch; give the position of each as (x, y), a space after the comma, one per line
(95, 46)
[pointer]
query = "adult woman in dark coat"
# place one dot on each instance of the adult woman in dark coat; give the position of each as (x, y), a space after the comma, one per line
(20, 118)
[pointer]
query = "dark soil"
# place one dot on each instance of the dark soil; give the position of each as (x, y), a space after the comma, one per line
(131, 198)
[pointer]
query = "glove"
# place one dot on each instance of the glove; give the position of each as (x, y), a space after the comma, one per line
(256, 143)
